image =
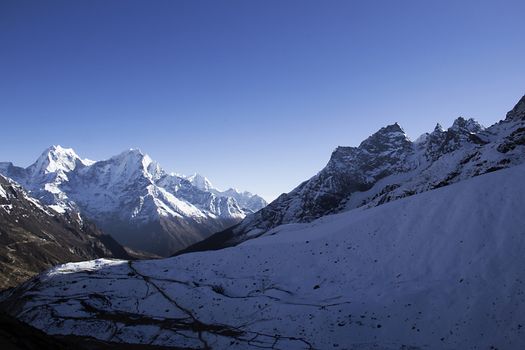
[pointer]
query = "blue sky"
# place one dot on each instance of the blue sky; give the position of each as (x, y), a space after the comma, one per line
(252, 94)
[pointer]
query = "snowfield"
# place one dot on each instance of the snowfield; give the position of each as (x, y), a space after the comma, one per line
(443, 269)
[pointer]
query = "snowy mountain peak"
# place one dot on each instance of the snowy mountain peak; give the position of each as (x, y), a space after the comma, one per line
(133, 160)
(249, 202)
(389, 138)
(396, 127)
(461, 132)
(392, 128)
(130, 155)
(201, 182)
(466, 126)
(233, 190)
(518, 112)
(129, 160)
(56, 159)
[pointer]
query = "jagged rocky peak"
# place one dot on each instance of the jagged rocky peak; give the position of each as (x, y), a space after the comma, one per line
(461, 132)
(341, 156)
(518, 112)
(430, 138)
(389, 138)
(390, 141)
(466, 126)
(435, 140)
(438, 128)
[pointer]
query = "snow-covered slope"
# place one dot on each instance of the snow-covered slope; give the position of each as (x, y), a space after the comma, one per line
(388, 166)
(443, 269)
(131, 197)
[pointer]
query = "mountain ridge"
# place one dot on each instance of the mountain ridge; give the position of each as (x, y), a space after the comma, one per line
(386, 166)
(132, 198)
(34, 237)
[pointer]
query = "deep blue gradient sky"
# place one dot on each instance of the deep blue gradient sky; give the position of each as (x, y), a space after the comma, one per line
(252, 94)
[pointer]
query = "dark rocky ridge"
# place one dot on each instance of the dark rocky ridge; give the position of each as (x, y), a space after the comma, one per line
(518, 112)
(34, 238)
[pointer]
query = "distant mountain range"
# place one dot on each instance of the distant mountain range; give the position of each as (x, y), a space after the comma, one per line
(130, 197)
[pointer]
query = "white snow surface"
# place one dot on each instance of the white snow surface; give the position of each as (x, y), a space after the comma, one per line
(443, 269)
(57, 159)
(201, 182)
(3, 193)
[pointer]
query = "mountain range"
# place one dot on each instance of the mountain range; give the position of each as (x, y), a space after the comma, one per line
(395, 244)
(130, 197)
(388, 166)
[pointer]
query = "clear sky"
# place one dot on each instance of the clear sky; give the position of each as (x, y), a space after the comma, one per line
(252, 94)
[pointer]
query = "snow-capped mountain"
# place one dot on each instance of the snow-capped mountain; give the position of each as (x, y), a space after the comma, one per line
(388, 166)
(132, 198)
(45, 177)
(249, 202)
(201, 182)
(34, 237)
(441, 269)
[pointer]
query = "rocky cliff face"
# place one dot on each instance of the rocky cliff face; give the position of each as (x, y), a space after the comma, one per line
(350, 169)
